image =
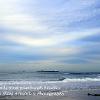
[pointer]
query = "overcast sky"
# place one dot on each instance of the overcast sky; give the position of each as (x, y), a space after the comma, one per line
(50, 35)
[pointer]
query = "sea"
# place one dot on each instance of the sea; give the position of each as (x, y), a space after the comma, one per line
(48, 81)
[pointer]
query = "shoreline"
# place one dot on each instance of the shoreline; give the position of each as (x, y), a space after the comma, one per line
(69, 95)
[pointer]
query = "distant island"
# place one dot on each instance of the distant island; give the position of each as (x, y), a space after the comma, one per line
(47, 71)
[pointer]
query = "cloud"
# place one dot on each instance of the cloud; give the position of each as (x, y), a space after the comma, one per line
(17, 15)
(23, 23)
(50, 40)
(93, 38)
(28, 41)
(52, 33)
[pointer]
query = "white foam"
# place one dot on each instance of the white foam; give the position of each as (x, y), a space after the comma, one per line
(81, 79)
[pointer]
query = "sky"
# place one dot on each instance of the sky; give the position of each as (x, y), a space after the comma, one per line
(50, 35)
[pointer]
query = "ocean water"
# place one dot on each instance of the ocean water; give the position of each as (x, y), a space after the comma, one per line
(49, 81)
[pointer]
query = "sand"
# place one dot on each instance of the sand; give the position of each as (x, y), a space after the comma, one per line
(71, 95)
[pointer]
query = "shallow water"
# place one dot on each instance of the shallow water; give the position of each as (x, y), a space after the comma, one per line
(58, 80)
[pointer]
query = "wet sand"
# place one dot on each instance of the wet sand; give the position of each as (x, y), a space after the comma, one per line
(69, 95)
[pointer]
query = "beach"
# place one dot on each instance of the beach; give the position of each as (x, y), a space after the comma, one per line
(49, 49)
(49, 86)
(70, 95)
